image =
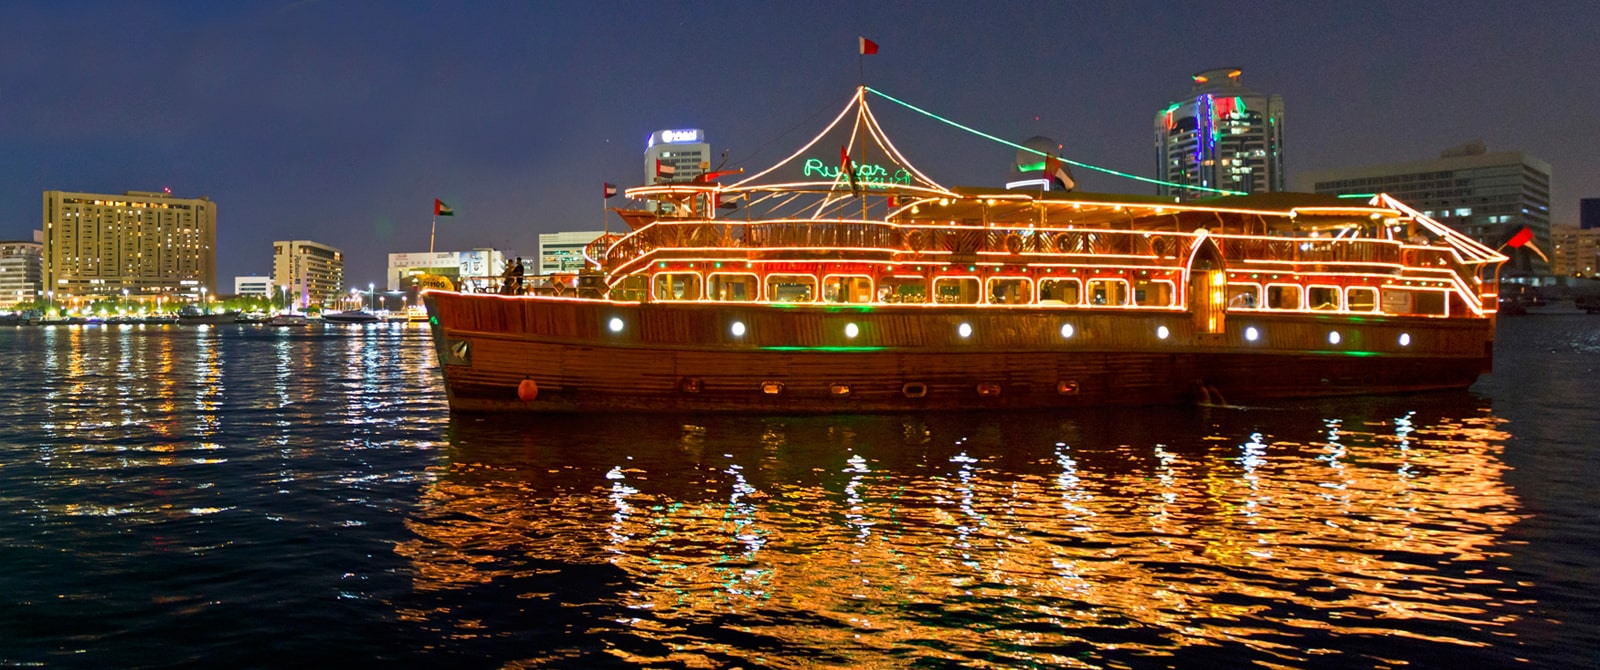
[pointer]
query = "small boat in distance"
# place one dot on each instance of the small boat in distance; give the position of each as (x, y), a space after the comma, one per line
(856, 283)
(190, 316)
(350, 316)
(287, 319)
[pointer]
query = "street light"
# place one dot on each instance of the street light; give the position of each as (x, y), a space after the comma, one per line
(204, 306)
(371, 299)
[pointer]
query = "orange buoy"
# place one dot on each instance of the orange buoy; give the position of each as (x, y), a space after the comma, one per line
(528, 390)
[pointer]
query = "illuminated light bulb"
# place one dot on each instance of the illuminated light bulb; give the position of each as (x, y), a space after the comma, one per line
(965, 330)
(615, 325)
(1251, 334)
(1333, 337)
(1067, 330)
(1405, 339)
(1162, 332)
(851, 330)
(737, 329)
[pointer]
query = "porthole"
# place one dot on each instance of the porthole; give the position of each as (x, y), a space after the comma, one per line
(1405, 339)
(1162, 332)
(1067, 331)
(1333, 337)
(737, 329)
(615, 324)
(851, 330)
(965, 330)
(1251, 334)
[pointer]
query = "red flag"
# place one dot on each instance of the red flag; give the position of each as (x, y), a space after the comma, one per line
(611, 189)
(1522, 237)
(868, 47)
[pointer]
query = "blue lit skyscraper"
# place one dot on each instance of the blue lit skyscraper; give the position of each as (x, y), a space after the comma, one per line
(1223, 136)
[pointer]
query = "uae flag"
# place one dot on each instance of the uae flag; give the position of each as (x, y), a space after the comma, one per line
(441, 209)
(1055, 171)
(848, 168)
(868, 47)
(664, 170)
(611, 189)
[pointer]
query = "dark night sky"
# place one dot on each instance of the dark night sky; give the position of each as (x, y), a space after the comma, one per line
(341, 120)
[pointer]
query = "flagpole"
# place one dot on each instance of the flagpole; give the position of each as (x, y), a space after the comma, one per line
(431, 230)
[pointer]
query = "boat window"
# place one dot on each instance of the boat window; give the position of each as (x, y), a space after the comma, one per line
(1323, 298)
(903, 289)
(731, 287)
(956, 290)
(677, 286)
(1060, 292)
(1010, 291)
(1283, 296)
(1361, 299)
(847, 288)
(1154, 292)
(791, 288)
(1108, 292)
(1244, 296)
(1425, 303)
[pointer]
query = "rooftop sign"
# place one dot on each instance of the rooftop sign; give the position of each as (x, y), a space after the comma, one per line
(675, 137)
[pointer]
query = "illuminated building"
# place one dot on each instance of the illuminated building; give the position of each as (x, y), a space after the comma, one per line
(144, 243)
(563, 252)
(1575, 251)
(481, 263)
(1222, 136)
(311, 273)
(260, 287)
(685, 151)
(1488, 196)
(1589, 213)
(21, 271)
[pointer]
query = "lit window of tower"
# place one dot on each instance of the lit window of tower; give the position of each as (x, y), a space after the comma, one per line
(1224, 136)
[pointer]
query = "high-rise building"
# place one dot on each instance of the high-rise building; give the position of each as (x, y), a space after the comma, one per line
(686, 151)
(21, 272)
(1488, 196)
(144, 243)
(563, 252)
(1223, 136)
(1589, 213)
(480, 265)
(1575, 252)
(307, 272)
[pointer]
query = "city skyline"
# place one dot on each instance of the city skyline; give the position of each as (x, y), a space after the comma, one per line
(341, 122)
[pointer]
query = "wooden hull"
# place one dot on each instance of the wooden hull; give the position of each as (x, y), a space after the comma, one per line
(686, 358)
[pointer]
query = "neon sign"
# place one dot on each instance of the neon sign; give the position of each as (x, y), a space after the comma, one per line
(870, 175)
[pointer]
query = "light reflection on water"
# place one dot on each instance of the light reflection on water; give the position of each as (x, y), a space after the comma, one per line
(306, 491)
(1034, 539)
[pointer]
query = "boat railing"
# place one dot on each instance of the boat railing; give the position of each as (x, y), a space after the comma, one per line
(1163, 248)
(561, 284)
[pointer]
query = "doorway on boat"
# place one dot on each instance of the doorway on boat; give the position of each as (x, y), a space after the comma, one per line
(1207, 290)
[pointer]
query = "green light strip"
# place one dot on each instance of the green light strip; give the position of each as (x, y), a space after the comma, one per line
(1359, 195)
(1068, 161)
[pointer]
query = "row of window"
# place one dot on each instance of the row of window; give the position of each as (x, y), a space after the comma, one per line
(1064, 292)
